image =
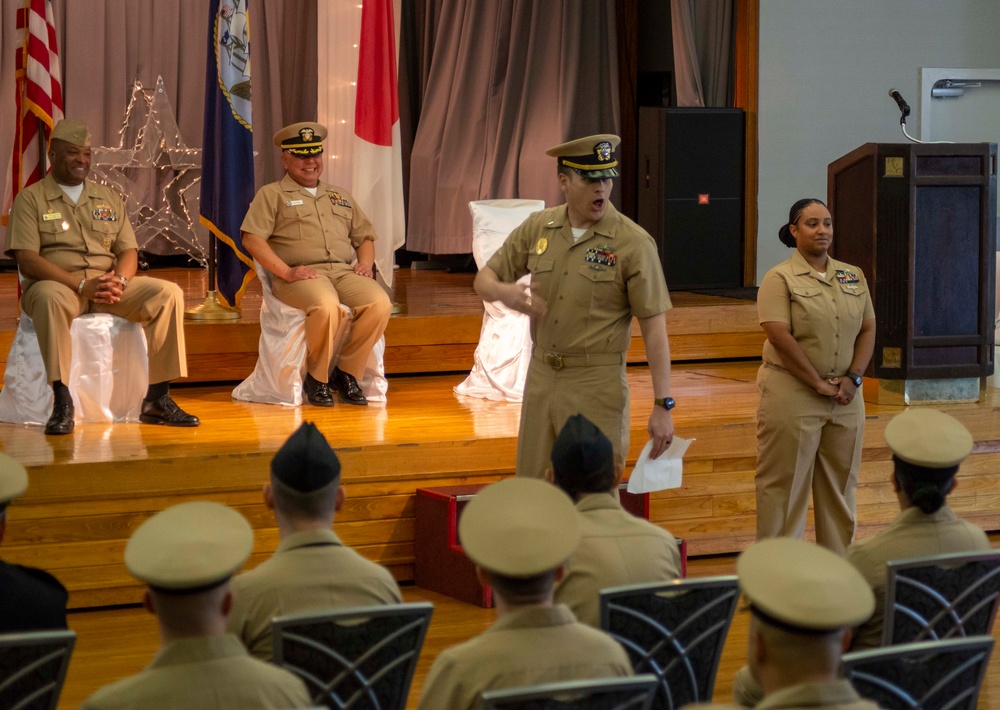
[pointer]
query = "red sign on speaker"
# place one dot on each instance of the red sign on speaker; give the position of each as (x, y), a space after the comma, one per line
(703, 199)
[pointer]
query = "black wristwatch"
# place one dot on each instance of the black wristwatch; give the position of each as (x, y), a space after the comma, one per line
(855, 378)
(667, 403)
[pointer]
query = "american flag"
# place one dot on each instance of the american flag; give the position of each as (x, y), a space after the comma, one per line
(38, 100)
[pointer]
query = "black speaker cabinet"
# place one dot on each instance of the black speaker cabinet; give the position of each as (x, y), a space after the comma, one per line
(690, 193)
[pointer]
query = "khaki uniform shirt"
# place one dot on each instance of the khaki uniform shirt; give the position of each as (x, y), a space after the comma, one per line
(303, 229)
(87, 236)
(210, 673)
(531, 645)
(833, 695)
(616, 548)
(912, 534)
(593, 287)
(825, 314)
(310, 570)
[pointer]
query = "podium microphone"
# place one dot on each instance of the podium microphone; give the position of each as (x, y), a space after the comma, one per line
(904, 108)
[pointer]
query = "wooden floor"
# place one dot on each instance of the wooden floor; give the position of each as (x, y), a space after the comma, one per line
(115, 643)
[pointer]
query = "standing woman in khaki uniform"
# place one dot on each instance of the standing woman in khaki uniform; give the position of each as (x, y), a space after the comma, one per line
(820, 325)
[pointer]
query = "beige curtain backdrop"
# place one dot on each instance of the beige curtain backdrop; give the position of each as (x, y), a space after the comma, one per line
(497, 82)
(104, 45)
(703, 51)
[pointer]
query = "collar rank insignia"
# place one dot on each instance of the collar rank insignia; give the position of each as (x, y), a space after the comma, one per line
(339, 199)
(601, 255)
(847, 277)
(105, 214)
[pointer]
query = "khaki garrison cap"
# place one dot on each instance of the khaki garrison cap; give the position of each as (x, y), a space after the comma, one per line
(75, 132)
(928, 438)
(519, 527)
(302, 139)
(13, 479)
(803, 586)
(189, 547)
(593, 157)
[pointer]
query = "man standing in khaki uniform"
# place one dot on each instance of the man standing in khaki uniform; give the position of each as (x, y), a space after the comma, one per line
(927, 448)
(76, 253)
(592, 269)
(803, 600)
(307, 233)
(616, 547)
(518, 532)
(186, 555)
(311, 569)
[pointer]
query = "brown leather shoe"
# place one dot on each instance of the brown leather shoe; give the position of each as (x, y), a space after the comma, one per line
(166, 412)
(347, 385)
(61, 421)
(318, 393)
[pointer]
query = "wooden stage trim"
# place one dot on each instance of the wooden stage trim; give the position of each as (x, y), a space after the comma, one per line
(91, 489)
(437, 330)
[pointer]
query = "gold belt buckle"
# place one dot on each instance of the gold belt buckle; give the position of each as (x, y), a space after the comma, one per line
(554, 360)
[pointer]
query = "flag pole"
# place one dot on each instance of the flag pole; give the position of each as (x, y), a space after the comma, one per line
(210, 308)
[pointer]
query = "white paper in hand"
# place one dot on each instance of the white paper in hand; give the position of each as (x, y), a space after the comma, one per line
(661, 473)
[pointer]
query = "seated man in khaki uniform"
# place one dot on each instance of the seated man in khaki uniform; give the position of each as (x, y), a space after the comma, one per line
(616, 547)
(33, 600)
(518, 532)
(307, 233)
(311, 569)
(927, 448)
(804, 600)
(186, 555)
(76, 253)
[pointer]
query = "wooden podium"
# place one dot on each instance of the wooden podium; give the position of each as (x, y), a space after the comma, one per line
(920, 221)
(440, 563)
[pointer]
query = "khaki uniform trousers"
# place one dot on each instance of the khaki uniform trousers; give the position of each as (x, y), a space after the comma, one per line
(551, 396)
(320, 298)
(157, 304)
(805, 443)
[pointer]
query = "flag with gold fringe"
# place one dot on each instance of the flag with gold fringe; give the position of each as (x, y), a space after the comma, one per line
(227, 184)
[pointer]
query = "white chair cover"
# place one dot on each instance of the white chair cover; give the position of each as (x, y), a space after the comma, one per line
(504, 351)
(280, 371)
(108, 378)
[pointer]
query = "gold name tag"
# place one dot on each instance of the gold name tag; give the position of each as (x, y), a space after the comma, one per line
(51, 216)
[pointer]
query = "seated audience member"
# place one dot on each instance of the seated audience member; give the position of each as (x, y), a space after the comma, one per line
(519, 532)
(186, 555)
(77, 253)
(33, 600)
(804, 600)
(616, 547)
(307, 233)
(927, 448)
(312, 568)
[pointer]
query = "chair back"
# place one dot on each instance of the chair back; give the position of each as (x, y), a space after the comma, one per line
(941, 596)
(354, 658)
(635, 693)
(674, 630)
(33, 667)
(932, 675)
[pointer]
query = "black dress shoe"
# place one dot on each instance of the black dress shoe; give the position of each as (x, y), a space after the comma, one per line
(318, 393)
(165, 411)
(61, 421)
(350, 390)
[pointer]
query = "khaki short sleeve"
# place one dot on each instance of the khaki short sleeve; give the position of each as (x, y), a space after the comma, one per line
(773, 302)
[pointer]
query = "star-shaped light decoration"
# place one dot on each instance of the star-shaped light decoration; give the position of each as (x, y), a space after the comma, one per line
(157, 175)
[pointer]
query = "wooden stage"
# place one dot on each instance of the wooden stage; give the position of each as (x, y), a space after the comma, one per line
(91, 489)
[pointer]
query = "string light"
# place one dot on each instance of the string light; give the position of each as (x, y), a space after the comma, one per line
(157, 146)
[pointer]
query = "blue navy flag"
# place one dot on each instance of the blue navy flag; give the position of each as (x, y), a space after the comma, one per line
(227, 146)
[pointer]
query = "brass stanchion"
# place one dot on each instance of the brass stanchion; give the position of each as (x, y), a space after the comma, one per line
(211, 309)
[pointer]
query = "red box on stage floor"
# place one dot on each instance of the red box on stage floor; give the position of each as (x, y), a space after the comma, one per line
(441, 565)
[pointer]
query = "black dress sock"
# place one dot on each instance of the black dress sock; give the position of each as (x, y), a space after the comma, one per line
(156, 391)
(61, 393)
